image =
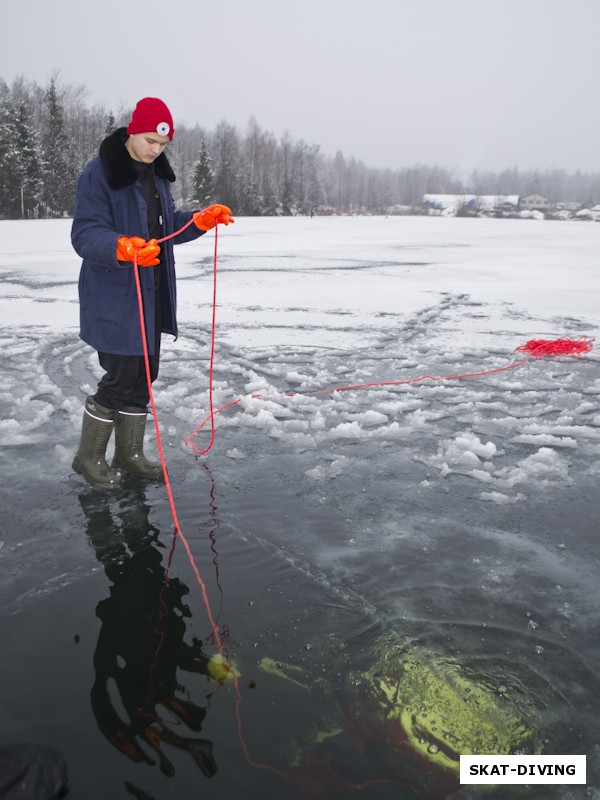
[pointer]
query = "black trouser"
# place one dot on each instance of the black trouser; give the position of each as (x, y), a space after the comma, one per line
(125, 382)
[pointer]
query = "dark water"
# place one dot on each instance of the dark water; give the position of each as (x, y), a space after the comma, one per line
(333, 566)
(107, 639)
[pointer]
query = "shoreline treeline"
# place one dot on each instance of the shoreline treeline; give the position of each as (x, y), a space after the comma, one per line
(48, 133)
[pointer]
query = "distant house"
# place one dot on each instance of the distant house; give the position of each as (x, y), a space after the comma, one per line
(454, 203)
(498, 202)
(568, 206)
(449, 203)
(534, 202)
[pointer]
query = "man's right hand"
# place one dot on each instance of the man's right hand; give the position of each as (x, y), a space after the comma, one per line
(147, 252)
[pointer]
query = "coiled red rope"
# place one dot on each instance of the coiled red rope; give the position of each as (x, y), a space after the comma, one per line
(535, 348)
(538, 348)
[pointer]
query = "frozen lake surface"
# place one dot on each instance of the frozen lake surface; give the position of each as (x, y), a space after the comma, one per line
(454, 522)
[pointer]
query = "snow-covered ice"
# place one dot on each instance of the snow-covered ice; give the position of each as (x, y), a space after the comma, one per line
(307, 305)
(313, 304)
(468, 501)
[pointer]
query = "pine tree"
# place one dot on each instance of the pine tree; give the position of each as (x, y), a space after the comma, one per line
(252, 183)
(227, 158)
(9, 162)
(59, 179)
(204, 179)
(111, 124)
(28, 164)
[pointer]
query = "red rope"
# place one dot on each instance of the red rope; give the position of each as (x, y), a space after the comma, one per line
(163, 462)
(178, 531)
(575, 348)
(536, 348)
(212, 353)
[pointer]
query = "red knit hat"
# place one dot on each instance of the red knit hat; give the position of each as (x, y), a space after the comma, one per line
(151, 115)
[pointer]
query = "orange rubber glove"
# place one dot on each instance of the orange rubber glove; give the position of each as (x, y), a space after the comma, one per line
(147, 252)
(211, 216)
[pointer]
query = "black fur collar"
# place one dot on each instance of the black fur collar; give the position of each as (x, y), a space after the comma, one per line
(118, 166)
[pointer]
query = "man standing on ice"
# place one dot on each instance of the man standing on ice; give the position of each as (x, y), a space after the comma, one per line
(123, 206)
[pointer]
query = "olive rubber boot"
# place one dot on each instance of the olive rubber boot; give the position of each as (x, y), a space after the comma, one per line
(130, 425)
(90, 459)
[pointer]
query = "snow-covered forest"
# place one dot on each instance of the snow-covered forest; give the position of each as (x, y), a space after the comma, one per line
(47, 134)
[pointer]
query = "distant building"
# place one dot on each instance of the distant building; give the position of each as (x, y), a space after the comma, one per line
(454, 203)
(450, 203)
(498, 202)
(534, 202)
(568, 206)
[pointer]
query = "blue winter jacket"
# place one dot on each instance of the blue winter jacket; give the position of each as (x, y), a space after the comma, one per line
(110, 204)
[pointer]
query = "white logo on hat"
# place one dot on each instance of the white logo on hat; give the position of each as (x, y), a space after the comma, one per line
(163, 128)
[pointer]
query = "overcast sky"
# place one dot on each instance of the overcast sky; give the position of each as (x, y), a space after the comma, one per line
(464, 84)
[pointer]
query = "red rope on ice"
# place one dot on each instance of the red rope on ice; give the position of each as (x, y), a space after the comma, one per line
(179, 533)
(163, 462)
(536, 349)
(212, 353)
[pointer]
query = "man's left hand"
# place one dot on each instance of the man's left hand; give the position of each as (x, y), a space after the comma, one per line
(213, 215)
